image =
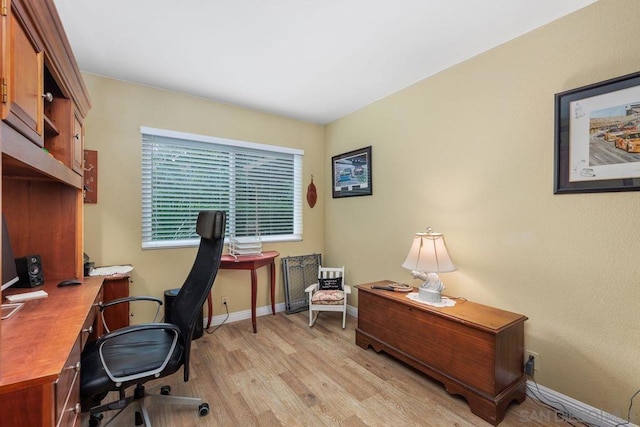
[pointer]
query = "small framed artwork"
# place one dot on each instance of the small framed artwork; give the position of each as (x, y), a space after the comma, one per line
(597, 137)
(351, 173)
(90, 187)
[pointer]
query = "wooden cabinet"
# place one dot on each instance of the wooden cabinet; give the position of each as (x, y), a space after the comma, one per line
(476, 351)
(42, 202)
(42, 189)
(116, 316)
(43, 96)
(22, 74)
(63, 133)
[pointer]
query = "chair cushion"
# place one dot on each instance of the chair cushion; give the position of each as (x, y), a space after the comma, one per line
(334, 283)
(126, 355)
(328, 297)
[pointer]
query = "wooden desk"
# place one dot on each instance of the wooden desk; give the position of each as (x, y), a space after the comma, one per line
(476, 351)
(40, 348)
(252, 263)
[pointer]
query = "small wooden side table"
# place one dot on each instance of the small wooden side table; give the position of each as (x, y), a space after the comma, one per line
(252, 263)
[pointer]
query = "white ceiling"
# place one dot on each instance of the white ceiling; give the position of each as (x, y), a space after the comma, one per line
(311, 60)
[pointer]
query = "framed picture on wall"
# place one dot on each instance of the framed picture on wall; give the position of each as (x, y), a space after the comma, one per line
(351, 173)
(597, 137)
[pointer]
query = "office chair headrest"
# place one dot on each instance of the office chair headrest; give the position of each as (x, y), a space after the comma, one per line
(210, 224)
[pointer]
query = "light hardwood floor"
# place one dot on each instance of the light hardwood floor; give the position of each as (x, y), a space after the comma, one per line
(289, 374)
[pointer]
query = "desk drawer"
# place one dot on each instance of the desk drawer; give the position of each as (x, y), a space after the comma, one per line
(67, 389)
(92, 326)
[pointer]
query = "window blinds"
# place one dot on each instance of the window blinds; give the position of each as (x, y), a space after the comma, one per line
(259, 186)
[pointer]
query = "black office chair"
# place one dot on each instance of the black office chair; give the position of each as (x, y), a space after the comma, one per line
(136, 354)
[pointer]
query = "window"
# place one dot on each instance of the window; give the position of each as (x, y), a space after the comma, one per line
(259, 186)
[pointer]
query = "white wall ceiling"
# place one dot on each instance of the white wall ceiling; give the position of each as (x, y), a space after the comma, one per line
(311, 60)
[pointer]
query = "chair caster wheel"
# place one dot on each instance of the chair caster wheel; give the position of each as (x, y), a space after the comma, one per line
(139, 420)
(94, 421)
(165, 390)
(203, 409)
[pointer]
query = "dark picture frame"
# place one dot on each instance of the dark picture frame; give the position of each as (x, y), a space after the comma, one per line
(351, 173)
(596, 149)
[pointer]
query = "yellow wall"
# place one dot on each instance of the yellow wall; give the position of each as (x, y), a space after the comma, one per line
(470, 152)
(113, 225)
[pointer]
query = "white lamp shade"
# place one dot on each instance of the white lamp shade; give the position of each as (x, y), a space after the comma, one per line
(429, 254)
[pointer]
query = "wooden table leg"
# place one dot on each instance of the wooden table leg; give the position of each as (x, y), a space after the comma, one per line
(254, 291)
(253, 263)
(272, 267)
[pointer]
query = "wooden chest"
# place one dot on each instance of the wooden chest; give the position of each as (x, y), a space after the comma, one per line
(476, 351)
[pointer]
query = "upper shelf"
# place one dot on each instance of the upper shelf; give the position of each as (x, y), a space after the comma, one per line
(23, 159)
(50, 128)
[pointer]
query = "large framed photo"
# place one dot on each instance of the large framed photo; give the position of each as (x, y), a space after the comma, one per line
(597, 137)
(351, 173)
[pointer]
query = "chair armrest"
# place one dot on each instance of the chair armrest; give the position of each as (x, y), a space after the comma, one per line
(312, 288)
(346, 289)
(100, 343)
(128, 299)
(136, 328)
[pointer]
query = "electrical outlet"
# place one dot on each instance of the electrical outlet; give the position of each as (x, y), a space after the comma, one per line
(536, 358)
(225, 301)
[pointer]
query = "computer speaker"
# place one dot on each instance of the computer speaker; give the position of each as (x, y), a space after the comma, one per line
(29, 271)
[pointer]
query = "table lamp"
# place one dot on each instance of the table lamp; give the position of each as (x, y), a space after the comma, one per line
(427, 257)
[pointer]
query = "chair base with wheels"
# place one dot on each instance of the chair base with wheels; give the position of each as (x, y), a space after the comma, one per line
(328, 299)
(139, 401)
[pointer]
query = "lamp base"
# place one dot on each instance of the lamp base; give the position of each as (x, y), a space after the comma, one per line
(429, 295)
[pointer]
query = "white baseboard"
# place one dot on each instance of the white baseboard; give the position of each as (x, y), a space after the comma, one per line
(352, 311)
(565, 404)
(236, 316)
(260, 311)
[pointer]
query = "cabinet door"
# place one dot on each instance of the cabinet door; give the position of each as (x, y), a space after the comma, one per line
(77, 144)
(22, 78)
(116, 316)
